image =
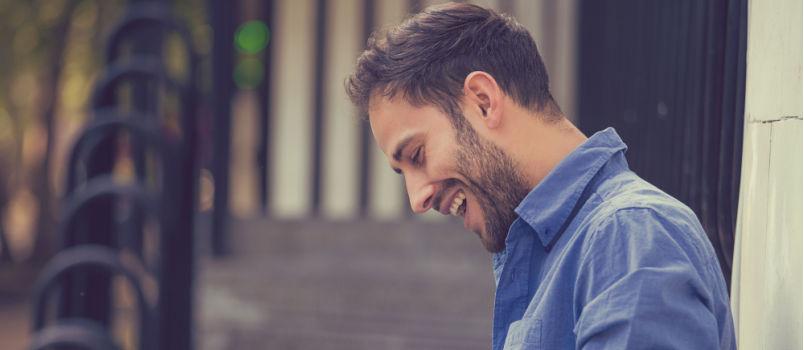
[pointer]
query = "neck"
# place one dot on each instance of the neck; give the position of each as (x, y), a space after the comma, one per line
(538, 144)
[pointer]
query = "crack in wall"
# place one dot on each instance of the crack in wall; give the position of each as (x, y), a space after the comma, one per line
(780, 119)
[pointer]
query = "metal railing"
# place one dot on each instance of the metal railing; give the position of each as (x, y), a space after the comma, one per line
(106, 217)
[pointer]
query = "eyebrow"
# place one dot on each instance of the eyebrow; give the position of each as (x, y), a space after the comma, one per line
(399, 148)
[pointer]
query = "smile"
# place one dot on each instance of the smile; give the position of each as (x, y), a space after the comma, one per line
(458, 207)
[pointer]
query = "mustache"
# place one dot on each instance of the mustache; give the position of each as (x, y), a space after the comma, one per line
(439, 197)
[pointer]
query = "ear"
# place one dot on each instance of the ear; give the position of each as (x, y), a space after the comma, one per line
(483, 93)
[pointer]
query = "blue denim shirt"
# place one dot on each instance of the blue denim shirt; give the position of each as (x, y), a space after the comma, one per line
(600, 259)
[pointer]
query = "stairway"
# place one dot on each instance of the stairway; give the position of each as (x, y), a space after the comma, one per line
(346, 285)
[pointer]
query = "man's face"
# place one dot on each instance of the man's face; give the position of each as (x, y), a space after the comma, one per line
(453, 171)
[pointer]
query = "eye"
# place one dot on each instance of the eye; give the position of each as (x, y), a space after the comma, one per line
(418, 156)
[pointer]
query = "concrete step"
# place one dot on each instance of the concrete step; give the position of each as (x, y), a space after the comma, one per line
(346, 285)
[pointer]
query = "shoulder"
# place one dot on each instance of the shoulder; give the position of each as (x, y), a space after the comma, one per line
(630, 213)
(635, 224)
(627, 200)
(627, 192)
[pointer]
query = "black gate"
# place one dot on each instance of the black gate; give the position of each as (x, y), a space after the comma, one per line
(138, 226)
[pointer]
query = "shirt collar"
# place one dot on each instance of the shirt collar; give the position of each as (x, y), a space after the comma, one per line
(550, 203)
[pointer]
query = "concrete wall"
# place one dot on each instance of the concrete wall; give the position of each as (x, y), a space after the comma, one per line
(767, 277)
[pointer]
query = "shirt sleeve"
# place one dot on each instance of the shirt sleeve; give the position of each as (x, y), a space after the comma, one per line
(638, 288)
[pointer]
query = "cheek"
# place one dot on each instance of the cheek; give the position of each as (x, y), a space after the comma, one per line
(443, 154)
(443, 165)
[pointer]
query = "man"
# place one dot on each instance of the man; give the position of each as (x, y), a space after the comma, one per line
(586, 254)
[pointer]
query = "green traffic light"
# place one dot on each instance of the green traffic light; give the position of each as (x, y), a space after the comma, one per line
(252, 36)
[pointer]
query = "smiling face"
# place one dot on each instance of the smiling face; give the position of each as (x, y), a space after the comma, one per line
(458, 99)
(449, 167)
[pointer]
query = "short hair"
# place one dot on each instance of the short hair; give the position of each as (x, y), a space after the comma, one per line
(427, 58)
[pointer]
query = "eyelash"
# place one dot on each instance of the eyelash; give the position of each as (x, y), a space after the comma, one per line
(417, 157)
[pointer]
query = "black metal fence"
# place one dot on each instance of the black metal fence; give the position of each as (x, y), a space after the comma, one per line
(107, 219)
(670, 77)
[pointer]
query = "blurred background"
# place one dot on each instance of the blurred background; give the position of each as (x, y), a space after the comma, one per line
(279, 223)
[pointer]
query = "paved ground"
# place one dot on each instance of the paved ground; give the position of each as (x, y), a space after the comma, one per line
(15, 283)
(316, 285)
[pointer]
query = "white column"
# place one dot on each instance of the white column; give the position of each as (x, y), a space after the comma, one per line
(293, 38)
(341, 131)
(767, 273)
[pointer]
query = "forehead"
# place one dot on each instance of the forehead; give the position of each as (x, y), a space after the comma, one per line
(394, 119)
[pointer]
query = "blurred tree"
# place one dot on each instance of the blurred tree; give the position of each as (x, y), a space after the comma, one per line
(44, 243)
(44, 43)
(16, 38)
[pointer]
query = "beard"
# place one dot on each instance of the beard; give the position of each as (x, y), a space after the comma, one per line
(492, 176)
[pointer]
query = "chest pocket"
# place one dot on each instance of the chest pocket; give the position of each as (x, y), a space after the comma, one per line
(524, 334)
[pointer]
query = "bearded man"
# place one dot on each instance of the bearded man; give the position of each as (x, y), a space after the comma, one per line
(585, 253)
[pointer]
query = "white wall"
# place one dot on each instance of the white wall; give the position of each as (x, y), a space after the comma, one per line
(767, 276)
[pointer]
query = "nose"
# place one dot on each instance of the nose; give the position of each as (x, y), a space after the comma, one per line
(420, 193)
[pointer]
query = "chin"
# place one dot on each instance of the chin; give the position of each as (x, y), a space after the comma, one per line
(489, 243)
(491, 248)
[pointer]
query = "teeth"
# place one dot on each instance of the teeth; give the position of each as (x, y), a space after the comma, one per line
(456, 203)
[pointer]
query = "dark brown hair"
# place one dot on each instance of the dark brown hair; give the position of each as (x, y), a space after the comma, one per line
(427, 58)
